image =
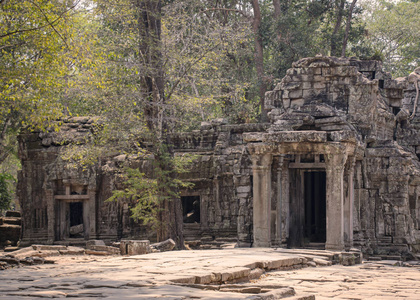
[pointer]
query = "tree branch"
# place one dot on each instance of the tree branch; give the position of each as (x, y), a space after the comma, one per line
(48, 21)
(43, 26)
(346, 36)
(226, 9)
(187, 69)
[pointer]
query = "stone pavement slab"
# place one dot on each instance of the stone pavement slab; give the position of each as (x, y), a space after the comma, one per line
(207, 274)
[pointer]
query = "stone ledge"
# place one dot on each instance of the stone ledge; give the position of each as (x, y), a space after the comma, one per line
(296, 137)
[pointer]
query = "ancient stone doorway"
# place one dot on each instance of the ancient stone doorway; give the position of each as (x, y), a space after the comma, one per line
(307, 207)
(76, 219)
(315, 207)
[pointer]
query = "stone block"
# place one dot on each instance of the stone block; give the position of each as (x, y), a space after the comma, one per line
(46, 253)
(135, 247)
(184, 280)
(348, 259)
(72, 251)
(166, 245)
(295, 94)
(307, 93)
(96, 252)
(319, 85)
(301, 136)
(9, 260)
(109, 249)
(317, 71)
(203, 279)
(277, 294)
(206, 126)
(318, 78)
(91, 243)
(306, 85)
(253, 137)
(77, 229)
(244, 189)
(219, 121)
(295, 103)
(13, 214)
(48, 247)
(322, 262)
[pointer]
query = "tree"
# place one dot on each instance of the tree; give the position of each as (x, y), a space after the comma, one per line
(394, 35)
(259, 56)
(347, 31)
(35, 58)
(339, 16)
(154, 62)
(5, 195)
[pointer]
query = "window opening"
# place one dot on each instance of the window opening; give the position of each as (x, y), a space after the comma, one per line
(191, 209)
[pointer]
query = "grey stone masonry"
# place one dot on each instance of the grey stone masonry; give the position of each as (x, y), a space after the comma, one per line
(336, 167)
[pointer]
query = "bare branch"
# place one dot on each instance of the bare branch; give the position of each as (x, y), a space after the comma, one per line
(187, 69)
(227, 10)
(43, 26)
(52, 25)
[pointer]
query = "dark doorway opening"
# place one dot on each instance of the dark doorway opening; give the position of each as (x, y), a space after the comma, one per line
(315, 207)
(191, 209)
(76, 219)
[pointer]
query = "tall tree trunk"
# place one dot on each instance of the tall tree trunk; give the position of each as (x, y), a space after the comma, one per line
(258, 55)
(334, 36)
(277, 9)
(153, 84)
(4, 152)
(170, 210)
(277, 14)
(348, 24)
(150, 55)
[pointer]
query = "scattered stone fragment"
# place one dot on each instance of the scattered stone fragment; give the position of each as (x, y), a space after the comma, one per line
(322, 262)
(167, 245)
(134, 247)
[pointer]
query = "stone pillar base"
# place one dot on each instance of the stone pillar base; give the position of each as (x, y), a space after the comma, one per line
(334, 247)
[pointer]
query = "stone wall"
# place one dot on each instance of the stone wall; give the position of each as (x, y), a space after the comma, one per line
(344, 118)
(336, 95)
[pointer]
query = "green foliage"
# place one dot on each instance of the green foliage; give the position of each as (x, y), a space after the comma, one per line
(5, 193)
(147, 193)
(394, 34)
(60, 58)
(37, 54)
(142, 191)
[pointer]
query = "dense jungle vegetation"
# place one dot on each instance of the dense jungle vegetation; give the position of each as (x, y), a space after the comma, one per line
(153, 67)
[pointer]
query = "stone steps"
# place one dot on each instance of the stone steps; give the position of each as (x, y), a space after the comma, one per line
(10, 228)
(315, 246)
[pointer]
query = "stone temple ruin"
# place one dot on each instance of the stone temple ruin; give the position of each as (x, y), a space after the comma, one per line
(337, 166)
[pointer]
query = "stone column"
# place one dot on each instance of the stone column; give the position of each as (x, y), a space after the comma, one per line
(49, 195)
(261, 170)
(279, 205)
(335, 201)
(90, 231)
(349, 203)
